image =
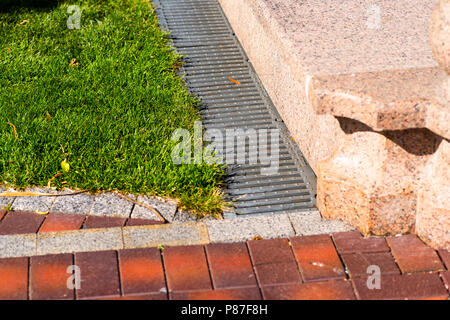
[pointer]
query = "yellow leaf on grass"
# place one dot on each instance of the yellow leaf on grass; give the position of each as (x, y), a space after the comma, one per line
(65, 165)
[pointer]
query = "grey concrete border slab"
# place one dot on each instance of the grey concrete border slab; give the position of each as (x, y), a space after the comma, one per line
(79, 241)
(111, 205)
(185, 229)
(307, 223)
(241, 229)
(42, 204)
(73, 204)
(183, 216)
(171, 234)
(17, 245)
(189, 233)
(166, 208)
(6, 202)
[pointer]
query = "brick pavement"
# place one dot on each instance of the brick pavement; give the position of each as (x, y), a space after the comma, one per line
(25, 222)
(302, 267)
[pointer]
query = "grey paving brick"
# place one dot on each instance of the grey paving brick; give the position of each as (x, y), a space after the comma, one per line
(111, 205)
(79, 241)
(165, 207)
(169, 234)
(311, 222)
(5, 202)
(22, 245)
(34, 203)
(241, 229)
(183, 216)
(76, 204)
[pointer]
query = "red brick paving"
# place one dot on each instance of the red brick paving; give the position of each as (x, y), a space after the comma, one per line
(358, 263)
(186, 268)
(48, 277)
(141, 271)
(445, 256)
(446, 278)
(103, 222)
(354, 242)
(149, 296)
(278, 273)
(400, 287)
(248, 293)
(329, 290)
(19, 222)
(99, 274)
(230, 265)
(13, 279)
(227, 271)
(62, 222)
(2, 213)
(274, 262)
(270, 251)
(317, 258)
(412, 255)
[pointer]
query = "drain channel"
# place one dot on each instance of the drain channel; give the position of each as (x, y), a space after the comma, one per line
(217, 70)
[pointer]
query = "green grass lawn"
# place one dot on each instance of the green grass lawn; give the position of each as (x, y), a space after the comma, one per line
(111, 113)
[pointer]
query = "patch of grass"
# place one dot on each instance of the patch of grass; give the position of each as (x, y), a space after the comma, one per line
(110, 112)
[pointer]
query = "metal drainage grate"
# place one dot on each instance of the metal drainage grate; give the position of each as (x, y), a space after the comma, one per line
(200, 31)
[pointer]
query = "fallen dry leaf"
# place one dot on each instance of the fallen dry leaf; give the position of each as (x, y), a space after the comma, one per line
(73, 63)
(234, 81)
(53, 178)
(23, 22)
(15, 131)
(242, 197)
(14, 128)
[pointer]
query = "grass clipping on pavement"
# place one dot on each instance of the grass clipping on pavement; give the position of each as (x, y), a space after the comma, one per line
(103, 99)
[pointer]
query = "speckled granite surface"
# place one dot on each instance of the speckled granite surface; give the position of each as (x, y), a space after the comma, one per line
(386, 100)
(358, 87)
(333, 37)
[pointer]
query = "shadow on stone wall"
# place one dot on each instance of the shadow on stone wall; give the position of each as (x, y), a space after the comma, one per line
(417, 141)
